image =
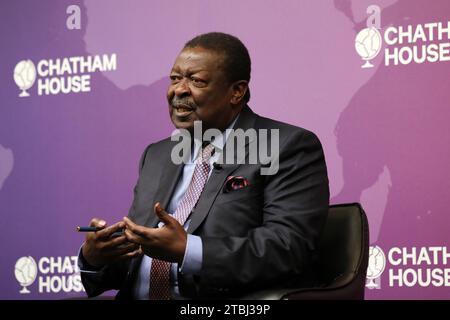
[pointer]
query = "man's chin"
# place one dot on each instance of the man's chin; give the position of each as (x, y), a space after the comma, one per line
(187, 125)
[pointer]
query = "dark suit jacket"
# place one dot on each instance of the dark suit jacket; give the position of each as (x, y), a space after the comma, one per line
(261, 236)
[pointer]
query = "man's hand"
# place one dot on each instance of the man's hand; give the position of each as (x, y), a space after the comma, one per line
(166, 243)
(101, 249)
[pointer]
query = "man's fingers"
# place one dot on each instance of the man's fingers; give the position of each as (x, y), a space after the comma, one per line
(96, 222)
(114, 242)
(133, 237)
(129, 247)
(136, 253)
(162, 214)
(135, 228)
(107, 232)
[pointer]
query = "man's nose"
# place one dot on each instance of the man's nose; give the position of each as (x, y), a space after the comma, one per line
(182, 88)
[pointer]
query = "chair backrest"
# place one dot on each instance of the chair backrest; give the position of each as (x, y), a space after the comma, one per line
(342, 243)
(343, 255)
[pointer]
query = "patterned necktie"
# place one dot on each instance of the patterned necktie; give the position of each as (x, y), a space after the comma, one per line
(160, 270)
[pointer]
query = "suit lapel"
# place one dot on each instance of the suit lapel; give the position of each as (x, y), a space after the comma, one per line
(166, 186)
(209, 194)
(218, 176)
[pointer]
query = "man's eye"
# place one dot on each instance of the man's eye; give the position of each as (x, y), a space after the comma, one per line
(198, 82)
(175, 78)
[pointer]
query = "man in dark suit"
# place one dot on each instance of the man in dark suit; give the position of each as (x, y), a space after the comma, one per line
(201, 229)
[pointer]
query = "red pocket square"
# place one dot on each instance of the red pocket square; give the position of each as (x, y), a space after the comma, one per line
(235, 183)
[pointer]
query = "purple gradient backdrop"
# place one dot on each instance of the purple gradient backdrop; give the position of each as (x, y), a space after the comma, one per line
(75, 156)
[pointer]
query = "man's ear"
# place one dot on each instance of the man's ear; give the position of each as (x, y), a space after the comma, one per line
(239, 88)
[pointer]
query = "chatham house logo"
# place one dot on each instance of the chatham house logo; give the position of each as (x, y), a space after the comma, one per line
(368, 45)
(368, 41)
(61, 75)
(48, 275)
(25, 76)
(25, 271)
(377, 264)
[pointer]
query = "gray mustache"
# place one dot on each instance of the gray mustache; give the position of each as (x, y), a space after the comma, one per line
(175, 102)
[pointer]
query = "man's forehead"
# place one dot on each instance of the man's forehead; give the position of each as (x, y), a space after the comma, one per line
(198, 59)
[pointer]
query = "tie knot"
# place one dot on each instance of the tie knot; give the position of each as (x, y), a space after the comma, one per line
(207, 152)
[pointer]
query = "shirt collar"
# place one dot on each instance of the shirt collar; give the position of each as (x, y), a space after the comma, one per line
(218, 142)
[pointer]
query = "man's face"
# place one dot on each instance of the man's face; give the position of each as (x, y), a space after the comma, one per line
(199, 90)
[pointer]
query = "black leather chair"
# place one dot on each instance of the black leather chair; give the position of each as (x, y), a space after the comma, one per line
(343, 258)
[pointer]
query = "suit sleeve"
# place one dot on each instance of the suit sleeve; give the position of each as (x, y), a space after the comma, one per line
(112, 276)
(296, 201)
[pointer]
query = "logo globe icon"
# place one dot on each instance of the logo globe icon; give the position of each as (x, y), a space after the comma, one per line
(368, 45)
(24, 76)
(377, 264)
(25, 272)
